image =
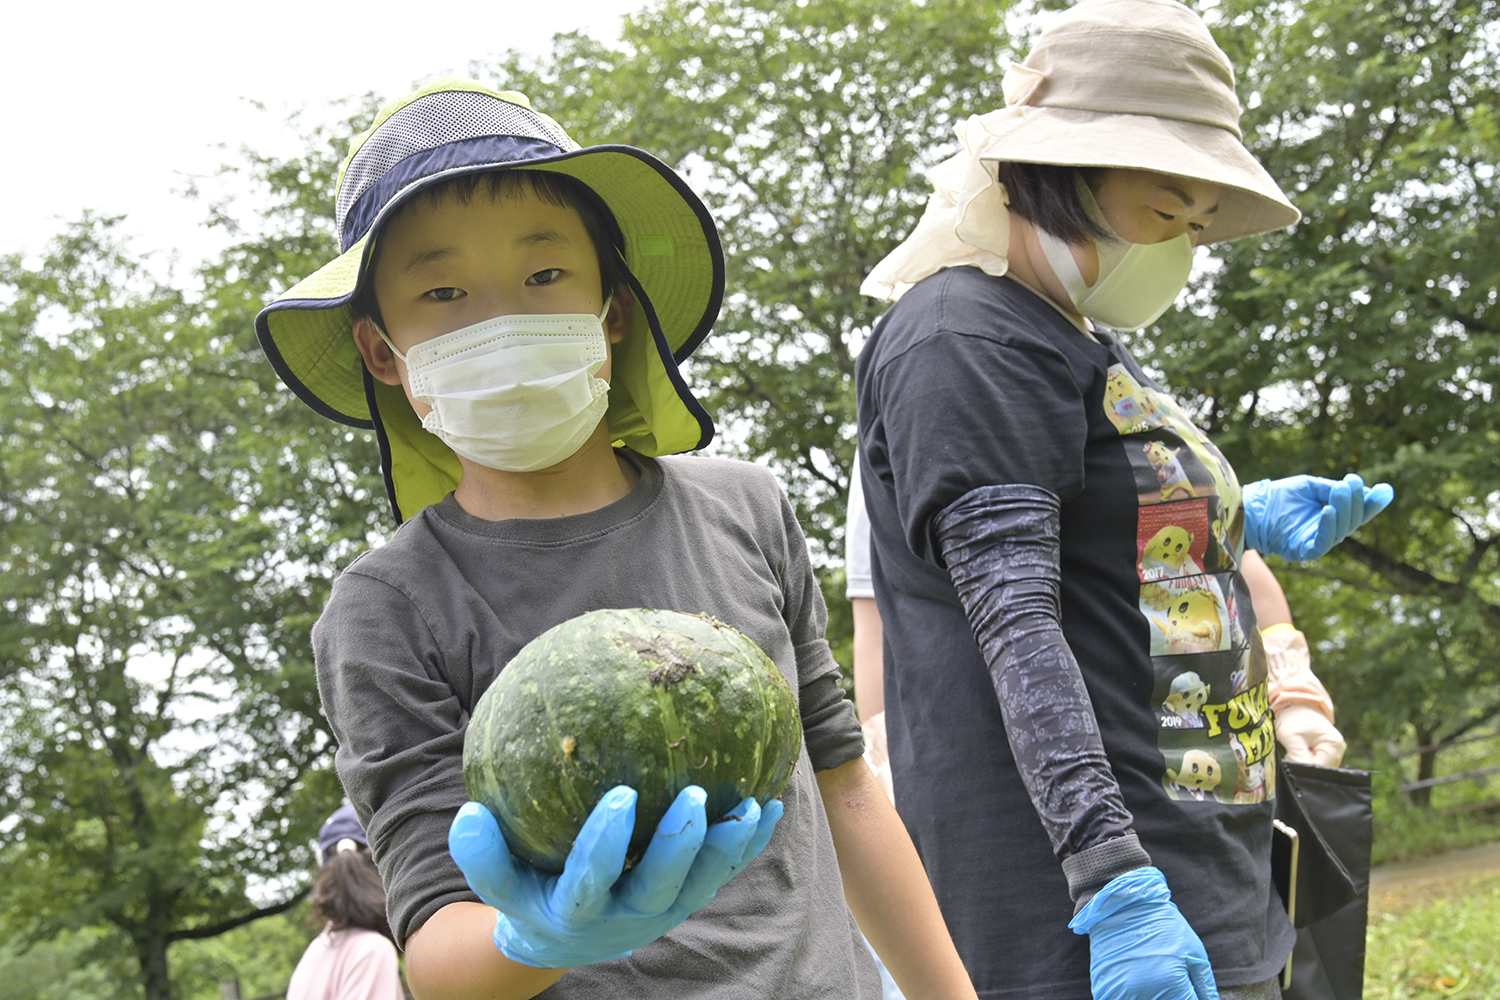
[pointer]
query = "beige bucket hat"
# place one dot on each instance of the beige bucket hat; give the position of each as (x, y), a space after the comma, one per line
(1112, 83)
(451, 127)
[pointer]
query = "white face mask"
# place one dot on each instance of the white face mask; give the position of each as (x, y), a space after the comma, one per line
(1137, 281)
(516, 393)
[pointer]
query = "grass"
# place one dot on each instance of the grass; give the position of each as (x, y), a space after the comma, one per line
(1435, 936)
(1435, 939)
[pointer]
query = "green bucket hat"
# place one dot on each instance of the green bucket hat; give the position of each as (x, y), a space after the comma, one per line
(671, 253)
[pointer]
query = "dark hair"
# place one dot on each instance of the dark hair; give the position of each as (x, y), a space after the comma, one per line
(552, 188)
(349, 893)
(1046, 195)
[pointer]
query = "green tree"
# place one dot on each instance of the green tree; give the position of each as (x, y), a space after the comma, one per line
(170, 523)
(259, 956)
(806, 127)
(71, 966)
(1367, 338)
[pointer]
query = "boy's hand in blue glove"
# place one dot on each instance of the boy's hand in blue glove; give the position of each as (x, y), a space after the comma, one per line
(589, 913)
(1140, 947)
(1302, 517)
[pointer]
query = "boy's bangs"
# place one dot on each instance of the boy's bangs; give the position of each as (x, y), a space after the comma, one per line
(551, 187)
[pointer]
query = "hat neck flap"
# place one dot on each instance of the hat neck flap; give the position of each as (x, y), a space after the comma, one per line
(419, 469)
(651, 409)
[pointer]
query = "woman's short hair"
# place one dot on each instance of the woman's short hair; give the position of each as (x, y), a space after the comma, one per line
(1046, 195)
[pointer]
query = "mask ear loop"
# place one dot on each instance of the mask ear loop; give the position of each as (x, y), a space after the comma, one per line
(368, 276)
(394, 349)
(1060, 255)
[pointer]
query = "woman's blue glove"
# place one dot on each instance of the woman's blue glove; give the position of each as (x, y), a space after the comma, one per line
(589, 913)
(1302, 517)
(1140, 947)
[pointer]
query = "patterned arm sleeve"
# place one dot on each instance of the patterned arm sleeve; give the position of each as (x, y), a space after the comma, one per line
(1002, 548)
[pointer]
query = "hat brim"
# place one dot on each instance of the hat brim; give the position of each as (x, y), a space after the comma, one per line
(1251, 202)
(675, 267)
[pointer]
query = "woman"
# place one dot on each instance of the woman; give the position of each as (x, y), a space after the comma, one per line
(353, 958)
(1056, 547)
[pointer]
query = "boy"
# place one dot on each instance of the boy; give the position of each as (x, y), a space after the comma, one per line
(508, 314)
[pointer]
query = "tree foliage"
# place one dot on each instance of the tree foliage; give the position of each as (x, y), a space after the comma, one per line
(1364, 338)
(170, 523)
(806, 127)
(170, 518)
(1367, 337)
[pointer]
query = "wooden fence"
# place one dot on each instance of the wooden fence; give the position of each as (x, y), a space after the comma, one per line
(1473, 774)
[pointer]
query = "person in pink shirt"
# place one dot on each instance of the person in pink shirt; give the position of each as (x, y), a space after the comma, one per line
(354, 957)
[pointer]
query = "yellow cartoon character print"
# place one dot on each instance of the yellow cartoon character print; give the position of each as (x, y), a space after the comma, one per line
(1174, 481)
(1251, 784)
(1198, 777)
(1191, 621)
(1129, 405)
(1183, 707)
(1169, 554)
(1188, 536)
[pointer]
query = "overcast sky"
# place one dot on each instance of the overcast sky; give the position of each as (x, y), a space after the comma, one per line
(112, 106)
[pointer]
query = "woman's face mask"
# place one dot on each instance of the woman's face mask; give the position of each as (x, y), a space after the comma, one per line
(1137, 281)
(517, 393)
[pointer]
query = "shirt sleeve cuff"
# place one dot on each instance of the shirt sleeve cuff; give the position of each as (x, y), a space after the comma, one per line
(829, 726)
(1089, 870)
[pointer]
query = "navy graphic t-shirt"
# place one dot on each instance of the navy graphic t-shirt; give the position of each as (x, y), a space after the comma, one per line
(972, 381)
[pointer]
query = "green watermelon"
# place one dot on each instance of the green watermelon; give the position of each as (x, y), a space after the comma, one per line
(657, 700)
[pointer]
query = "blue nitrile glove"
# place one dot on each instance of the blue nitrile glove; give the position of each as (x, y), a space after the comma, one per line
(1302, 517)
(589, 913)
(1140, 947)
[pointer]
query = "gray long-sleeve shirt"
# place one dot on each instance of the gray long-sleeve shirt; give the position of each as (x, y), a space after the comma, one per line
(417, 629)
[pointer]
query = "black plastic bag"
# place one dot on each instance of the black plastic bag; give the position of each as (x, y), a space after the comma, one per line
(1331, 810)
